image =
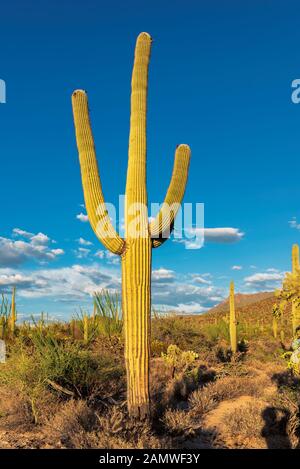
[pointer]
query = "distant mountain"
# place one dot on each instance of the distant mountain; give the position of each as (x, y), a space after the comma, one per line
(242, 300)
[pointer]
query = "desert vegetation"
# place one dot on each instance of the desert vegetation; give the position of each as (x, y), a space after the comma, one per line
(63, 385)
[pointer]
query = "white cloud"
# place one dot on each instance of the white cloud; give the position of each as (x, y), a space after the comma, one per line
(236, 267)
(202, 279)
(100, 254)
(69, 284)
(293, 223)
(82, 217)
(73, 286)
(193, 237)
(84, 242)
(264, 281)
(222, 235)
(109, 257)
(31, 247)
(162, 275)
(82, 253)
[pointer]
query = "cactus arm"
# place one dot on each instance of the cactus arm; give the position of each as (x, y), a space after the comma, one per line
(136, 192)
(162, 226)
(91, 183)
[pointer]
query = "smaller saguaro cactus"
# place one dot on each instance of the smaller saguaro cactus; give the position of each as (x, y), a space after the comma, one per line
(275, 327)
(295, 304)
(13, 313)
(85, 328)
(232, 320)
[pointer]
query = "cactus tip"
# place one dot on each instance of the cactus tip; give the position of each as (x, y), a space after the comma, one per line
(78, 93)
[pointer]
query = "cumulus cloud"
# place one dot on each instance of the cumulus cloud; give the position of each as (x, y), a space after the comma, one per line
(236, 267)
(293, 223)
(75, 284)
(82, 217)
(84, 242)
(264, 281)
(82, 253)
(109, 257)
(194, 238)
(14, 252)
(162, 276)
(71, 284)
(201, 279)
(223, 235)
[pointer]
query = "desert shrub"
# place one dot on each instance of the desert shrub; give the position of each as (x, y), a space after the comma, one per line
(180, 422)
(62, 367)
(244, 421)
(116, 430)
(108, 313)
(83, 321)
(215, 332)
(72, 423)
(203, 400)
(173, 329)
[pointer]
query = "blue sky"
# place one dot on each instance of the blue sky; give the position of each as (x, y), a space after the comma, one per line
(220, 80)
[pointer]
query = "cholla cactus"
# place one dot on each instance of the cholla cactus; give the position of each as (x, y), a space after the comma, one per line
(232, 320)
(180, 361)
(136, 249)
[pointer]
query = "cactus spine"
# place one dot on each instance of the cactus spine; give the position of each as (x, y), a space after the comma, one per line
(13, 313)
(136, 249)
(232, 320)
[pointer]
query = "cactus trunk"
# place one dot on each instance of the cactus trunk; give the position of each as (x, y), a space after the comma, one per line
(136, 304)
(232, 320)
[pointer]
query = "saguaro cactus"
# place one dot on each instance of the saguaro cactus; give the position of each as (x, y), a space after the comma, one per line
(295, 304)
(13, 313)
(232, 320)
(136, 249)
(85, 329)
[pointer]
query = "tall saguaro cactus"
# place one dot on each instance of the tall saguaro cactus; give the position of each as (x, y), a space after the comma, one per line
(295, 304)
(232, 320)
(136, 249)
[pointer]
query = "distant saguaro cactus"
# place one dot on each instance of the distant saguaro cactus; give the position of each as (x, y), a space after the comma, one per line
(295, 304)
(232, 320)
(136, 249)
(13, 313)
(85, 329)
